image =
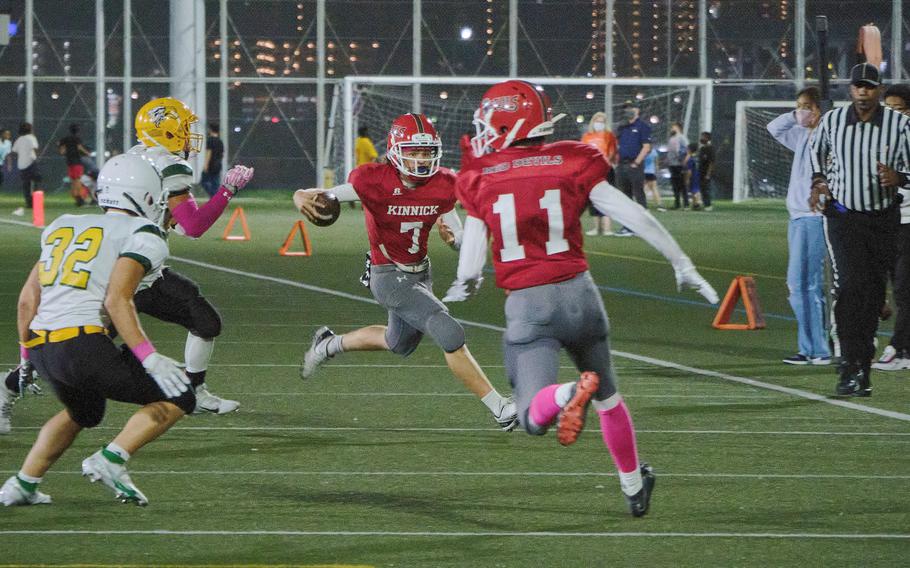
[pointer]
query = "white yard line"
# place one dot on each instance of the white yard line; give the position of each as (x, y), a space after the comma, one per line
(461, 534)
(500, 474)
(374, 429)
(623, 354)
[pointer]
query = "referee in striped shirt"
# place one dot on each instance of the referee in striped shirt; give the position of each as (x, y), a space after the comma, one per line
(860, 157)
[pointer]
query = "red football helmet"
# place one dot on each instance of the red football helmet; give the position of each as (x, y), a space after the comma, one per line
(414, 132)
(509, 111)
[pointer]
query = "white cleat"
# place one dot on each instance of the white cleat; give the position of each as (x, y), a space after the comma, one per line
(97, 468)
(317, 353)
(207, 402)
(12, 493)
(6, 410)
(507, 418)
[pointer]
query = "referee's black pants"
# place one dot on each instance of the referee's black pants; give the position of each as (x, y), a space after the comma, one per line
(862, 253)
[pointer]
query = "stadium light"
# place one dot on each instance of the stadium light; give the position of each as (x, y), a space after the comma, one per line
(466, 33)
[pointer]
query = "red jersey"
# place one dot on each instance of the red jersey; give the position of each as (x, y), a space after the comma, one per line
(531, 199)
(399, 219)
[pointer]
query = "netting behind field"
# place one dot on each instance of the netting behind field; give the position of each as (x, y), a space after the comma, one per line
(451, 109)
(767, 162)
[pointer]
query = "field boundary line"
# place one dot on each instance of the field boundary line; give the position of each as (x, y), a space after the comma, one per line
(460, 534)
(623, 354)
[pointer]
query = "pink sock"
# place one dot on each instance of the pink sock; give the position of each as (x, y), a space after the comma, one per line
(619, 436)
(544, 409)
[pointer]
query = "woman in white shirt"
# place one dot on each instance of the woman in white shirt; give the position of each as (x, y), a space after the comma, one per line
(6, 148)
(26, 150)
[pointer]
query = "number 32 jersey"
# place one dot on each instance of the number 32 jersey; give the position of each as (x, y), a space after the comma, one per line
(78, 253)
(531, 199)
(398, 218)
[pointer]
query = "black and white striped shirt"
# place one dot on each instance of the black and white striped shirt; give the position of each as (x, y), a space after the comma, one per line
(847, 151)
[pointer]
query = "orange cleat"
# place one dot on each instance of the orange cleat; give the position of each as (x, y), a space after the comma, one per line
(572, 418)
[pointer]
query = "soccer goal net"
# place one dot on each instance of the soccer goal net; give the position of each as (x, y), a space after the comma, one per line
(449, 102)
(761, 164)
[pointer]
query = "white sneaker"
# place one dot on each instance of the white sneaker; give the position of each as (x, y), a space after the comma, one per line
(317, 353)
(96, 468)
(593, 232)
(12, 493)
(891, 360)
(6, 409)
(507, 417)
(19, 212)
(207, 402)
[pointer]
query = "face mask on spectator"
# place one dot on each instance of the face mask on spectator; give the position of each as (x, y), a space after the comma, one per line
(804, 117)
(629, 113)
(598, 126)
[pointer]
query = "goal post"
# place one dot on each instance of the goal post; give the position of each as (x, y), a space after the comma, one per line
(374, 101)
(761, 164)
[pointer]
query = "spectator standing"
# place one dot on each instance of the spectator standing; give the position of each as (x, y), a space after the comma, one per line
(693, 179)
(214, 152)
(860, 156)
(677, 147)
(706, 160)
(6, 148)
(650, 168)
(602, 138)
(805, 232)
(634, 137)
(364, 151)
(72, 149)
(26, 149)
(896, 355)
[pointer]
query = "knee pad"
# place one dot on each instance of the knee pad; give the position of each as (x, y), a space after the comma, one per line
(446, 332)
(401, 344)
(186, 401)
(206, 319)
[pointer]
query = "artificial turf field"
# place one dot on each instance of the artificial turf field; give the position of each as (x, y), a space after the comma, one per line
(383, 461)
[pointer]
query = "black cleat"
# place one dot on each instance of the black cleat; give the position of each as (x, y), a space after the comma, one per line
(641, 501)
(865, 384)
(849, 382)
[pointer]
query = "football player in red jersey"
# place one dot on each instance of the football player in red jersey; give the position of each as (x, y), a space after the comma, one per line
(529, 197)
(402, 199)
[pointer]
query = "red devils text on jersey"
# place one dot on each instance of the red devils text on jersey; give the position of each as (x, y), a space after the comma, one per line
(531, 199)
(399, 219)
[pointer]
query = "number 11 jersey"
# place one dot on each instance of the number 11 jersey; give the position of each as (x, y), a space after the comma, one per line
(531, 199)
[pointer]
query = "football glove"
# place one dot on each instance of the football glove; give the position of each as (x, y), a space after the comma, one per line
(170, 379)
(688, 277)
(28, 379)
(236, 178)
(460, 291)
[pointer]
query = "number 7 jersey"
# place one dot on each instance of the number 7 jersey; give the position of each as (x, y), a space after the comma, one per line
(531, 199)
(78, 253)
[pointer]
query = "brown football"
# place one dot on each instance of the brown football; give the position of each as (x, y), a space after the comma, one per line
(329, 208)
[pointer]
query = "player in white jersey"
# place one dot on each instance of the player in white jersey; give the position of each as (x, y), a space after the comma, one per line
(88, 272)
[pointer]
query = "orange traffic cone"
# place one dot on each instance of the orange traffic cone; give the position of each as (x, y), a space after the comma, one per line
(741, 287)
(299, 227)
(238, 213)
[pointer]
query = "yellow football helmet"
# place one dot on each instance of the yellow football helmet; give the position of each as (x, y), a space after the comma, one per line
(166, 122)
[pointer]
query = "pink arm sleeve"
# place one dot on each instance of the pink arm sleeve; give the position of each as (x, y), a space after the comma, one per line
(196, 220)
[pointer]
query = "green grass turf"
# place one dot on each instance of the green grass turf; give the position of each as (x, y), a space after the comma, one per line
(389, 462)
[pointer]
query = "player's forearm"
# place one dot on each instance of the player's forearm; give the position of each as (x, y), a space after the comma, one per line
(344, 192)
(645, 150)
(610, 201)
(118, 301)
(195, 220)
(453, 222)
(473, 253)
(27, 307)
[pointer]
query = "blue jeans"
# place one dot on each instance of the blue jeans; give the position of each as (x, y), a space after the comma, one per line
(210, 182)
(805, 280)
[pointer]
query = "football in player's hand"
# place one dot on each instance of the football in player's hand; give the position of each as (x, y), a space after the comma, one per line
(328, 209)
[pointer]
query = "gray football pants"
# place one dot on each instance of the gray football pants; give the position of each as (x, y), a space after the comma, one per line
(542, 320)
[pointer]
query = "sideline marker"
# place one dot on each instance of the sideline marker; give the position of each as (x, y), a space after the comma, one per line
(38, 209)
(741, 287)
(227, 236)
(299, 227)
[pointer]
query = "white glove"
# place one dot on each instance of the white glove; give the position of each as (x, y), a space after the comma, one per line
(170, 379)
(237, 177)
(688, 277)
(460, 291)
(27, 378)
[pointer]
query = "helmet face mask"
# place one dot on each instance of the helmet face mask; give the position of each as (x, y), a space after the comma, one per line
(511, 111)
(414, 147)
(166, 122)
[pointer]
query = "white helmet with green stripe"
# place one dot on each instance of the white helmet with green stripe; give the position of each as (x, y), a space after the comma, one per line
(129, 181)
